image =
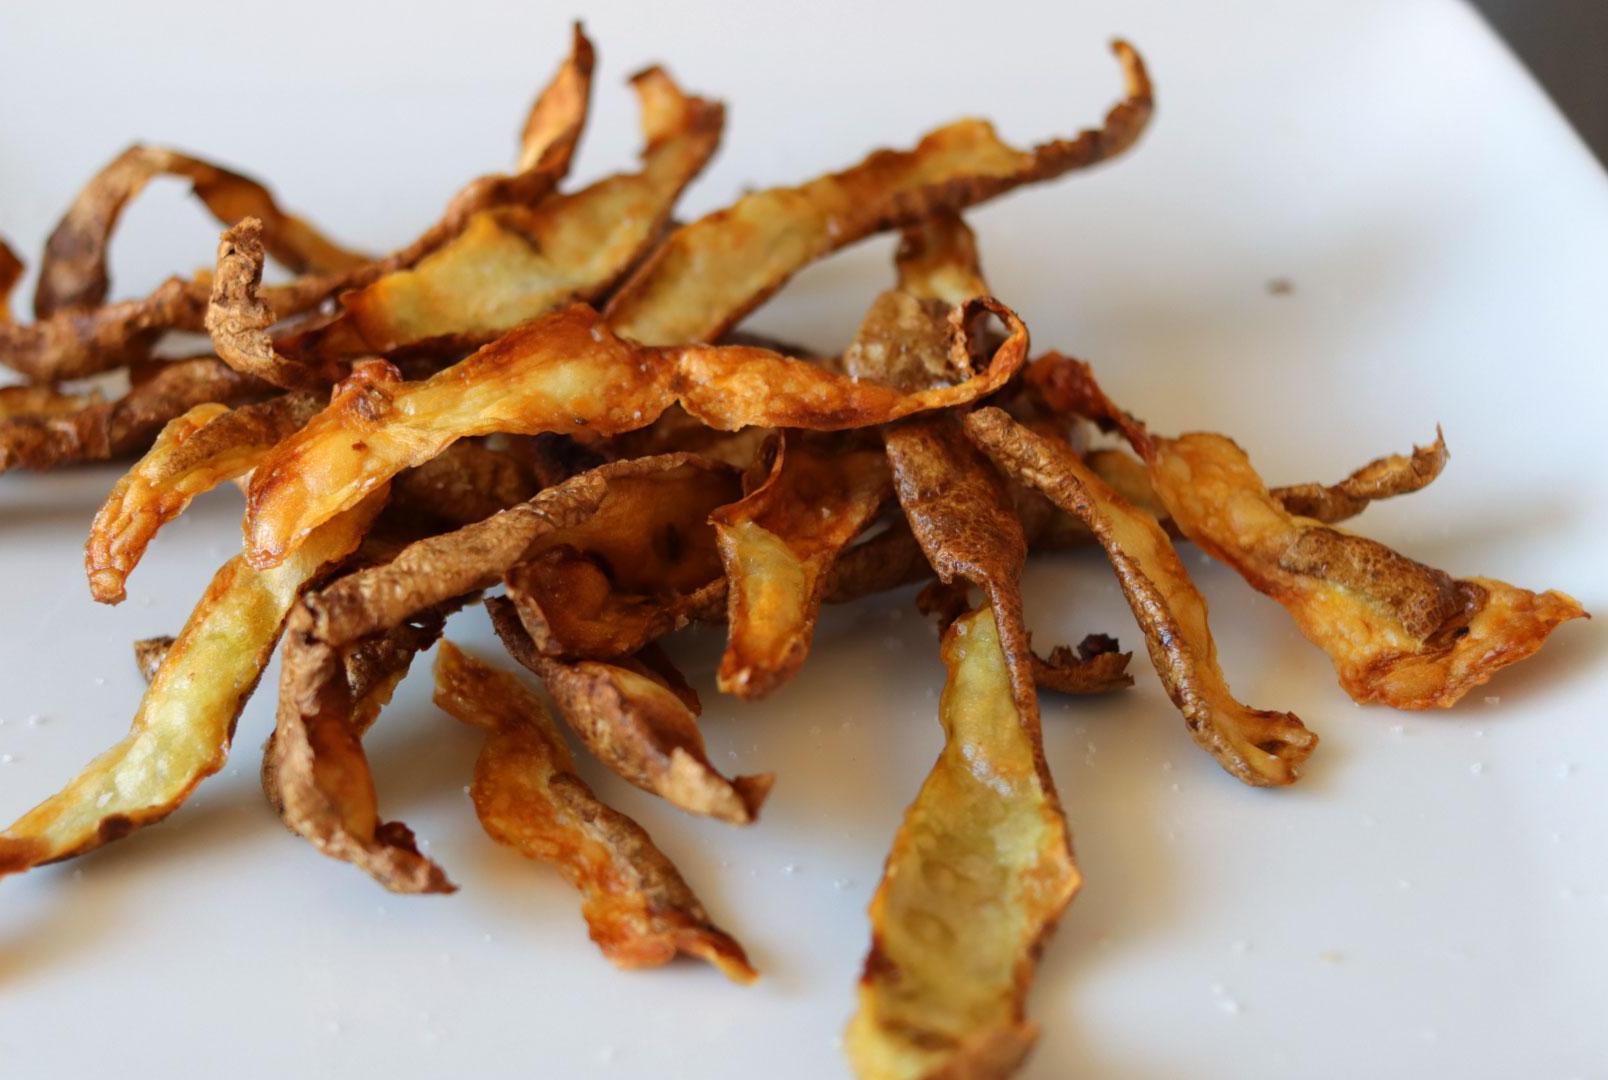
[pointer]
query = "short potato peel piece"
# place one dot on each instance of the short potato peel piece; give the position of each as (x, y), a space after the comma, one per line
(567, 372)
(639, 909)
(980, 871)
(181, 733)
(194, 453)
(1399, 632)
(314, 770)
(639, 724)
(778, 546)
(1263, 748)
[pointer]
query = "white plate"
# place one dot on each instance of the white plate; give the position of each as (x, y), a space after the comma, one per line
(1430, 900)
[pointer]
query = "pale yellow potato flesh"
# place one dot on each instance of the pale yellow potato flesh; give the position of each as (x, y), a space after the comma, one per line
(181, 733)
(980, 870)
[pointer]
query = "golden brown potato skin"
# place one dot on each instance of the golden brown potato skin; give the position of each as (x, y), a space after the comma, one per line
(182, 730)
(82, 428)
(514, 262)
(568, 372)
(1399, 632)
(1259, 746)
(709, 274)
(79, 335)
(639, 723)
(778, 546)
(639, 909)
(192, 454)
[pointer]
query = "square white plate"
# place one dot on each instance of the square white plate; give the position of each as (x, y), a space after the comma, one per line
(1431, 900)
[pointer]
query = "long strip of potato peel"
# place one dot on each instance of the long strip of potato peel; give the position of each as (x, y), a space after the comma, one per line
(73, 273)
(709, 274)
(568, 372)
(638, 908)
(979, 872)
(779, 544)
(181, 733)
(1260, 747)
(641, 728)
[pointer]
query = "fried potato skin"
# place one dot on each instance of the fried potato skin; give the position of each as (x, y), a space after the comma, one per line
(513, 263)
(1399, 632)
(237, 319)
(181, 733)
(468, 482)
(638, 908)
(565, 372)
(77, 341)
(709, 274)
(631, 572)
(778, 546)
(194, 453)
(22, 401)
(314, 770)
(438, 568)
(980, 871)
(100, 430)
(73, 273)
(1260, 747)
(642, 728)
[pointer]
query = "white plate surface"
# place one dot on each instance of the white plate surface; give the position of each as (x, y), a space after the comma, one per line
(1430, 900)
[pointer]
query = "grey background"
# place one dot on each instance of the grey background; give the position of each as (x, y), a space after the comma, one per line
(1565, 43)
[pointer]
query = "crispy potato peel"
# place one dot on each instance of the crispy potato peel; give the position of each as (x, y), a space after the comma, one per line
(778, 545)
(314, 769)
(567, 372)
(709, 274)
(95, 430)
(638, 724)
(979, 873)
(73, 272)
(1399, 632)
(182, 730)
(1260, 747)
(513, 263)
(194, 453)
(639, 909)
